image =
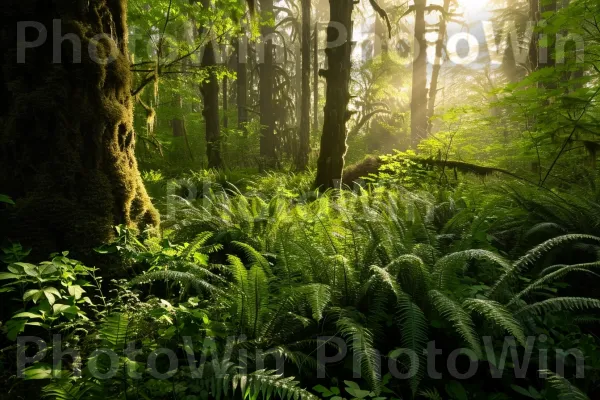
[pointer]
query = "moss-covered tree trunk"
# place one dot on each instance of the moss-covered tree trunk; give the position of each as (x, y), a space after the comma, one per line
(210, 96)
(267, 120)
(66, 128)
(337, 96)
(418, 105)
(304, 135)
(316, 77)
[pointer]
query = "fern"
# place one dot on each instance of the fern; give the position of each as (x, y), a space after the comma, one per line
(566, 390)
(414, 329)
(535, 254)
(552, 276)
(448, 266)
(183, 278)
(115, 330)
(560, 304)
(360, 340)
(458, 317)
(496, 313)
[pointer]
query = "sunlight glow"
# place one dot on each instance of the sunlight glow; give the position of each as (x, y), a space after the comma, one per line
(474, 9)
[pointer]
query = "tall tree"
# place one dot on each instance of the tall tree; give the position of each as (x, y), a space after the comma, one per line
(267, 120)
(418, 105)
(304, 135)
(333, 139)
(242, 80)
(66, 126)
(437, 65)
(316, 77)
(210, 95)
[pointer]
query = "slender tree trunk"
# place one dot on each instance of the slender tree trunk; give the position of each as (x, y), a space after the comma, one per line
(210, 111)
(316, 78)
(225, 102)
(66, 129)
(242, 82)
(437, 66)
(304, 148)
(418, 106)
(333, 139)
(534, 15)
(267, 122)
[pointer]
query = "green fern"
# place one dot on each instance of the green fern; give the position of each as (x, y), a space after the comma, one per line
(535, 254)
(560, 304)
(458, 317)
(566, 390)
(497, 314)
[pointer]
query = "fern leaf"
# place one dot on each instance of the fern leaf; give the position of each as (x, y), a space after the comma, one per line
(458, 317)
(497, 314)
(560, 304)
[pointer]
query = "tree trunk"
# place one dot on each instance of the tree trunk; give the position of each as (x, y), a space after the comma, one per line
(304, 148)
(418, 106)
(242, 82)
(66, 129)
(267, 122)
(534, 15)
(437, 66)
(210, 95)
(225, 102)
(316, 78)
(333, 140)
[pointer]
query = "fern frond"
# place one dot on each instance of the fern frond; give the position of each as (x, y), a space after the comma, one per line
(458, 317)
(431, 394)
(560, 304)
(258, 297)
(535, 254)
(497, 314)
(449, 265)
(552, 276)
(198, 242)
(115, 330)
(255, 257)
(414, 330)
(566, 390)
(360, 340)
(185, 279)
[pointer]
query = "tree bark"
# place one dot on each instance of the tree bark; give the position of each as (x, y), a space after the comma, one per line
(225, 102)
(210, 111)
(242, 82)
(66, 129)
(304, 135)
(333, 139)
(418, 106)
(316, 77)
(534, 15)
(267, 121)
(437, 66)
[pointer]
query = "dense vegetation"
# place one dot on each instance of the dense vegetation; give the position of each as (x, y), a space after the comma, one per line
(232, 209)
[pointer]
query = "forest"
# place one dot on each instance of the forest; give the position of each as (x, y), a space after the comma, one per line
(300, 200)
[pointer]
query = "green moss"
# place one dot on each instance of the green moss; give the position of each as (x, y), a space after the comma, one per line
(67, 139)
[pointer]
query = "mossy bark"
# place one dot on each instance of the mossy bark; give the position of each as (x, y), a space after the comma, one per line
(66, 129)
(337, 96)
(304, 134)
